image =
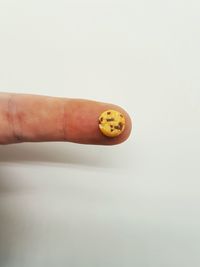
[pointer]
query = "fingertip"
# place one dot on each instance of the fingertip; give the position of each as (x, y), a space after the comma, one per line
(82, 123)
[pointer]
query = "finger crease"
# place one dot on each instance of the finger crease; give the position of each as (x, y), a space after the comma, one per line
(64, 121)
(12, 111)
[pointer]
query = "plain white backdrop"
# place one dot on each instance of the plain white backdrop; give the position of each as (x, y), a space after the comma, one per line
(136, 204)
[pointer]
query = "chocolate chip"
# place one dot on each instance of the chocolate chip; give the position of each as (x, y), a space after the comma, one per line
(111, 119)
(119, 126)
(100, 120)
(108, 112)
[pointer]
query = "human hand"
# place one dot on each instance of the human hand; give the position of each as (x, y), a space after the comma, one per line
(34, 118)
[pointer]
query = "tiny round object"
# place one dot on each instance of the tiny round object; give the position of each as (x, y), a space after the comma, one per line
(111, 123)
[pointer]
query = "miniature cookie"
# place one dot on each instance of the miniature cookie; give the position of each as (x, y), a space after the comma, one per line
(111, 123)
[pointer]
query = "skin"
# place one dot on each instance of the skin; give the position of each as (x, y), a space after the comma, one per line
(35, 118)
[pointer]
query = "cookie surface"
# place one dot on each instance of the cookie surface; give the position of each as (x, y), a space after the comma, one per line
(111, 123)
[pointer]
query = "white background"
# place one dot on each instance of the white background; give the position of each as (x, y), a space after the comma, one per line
(137, 204)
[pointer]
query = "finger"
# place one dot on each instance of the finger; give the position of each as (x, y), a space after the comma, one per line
(34, 118)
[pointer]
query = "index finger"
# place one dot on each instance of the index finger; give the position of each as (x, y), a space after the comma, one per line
(35, 118)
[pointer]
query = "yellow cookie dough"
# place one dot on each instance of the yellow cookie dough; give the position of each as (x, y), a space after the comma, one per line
(111, 123)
